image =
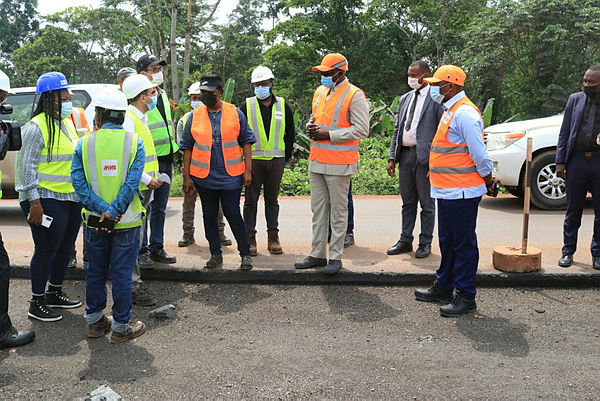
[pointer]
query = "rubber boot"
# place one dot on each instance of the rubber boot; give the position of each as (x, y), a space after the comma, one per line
(273, 242)
(252, 241)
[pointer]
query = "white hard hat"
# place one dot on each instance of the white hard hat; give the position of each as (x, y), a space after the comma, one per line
(111, 99)
(135, 84)
(194, 89)
(5, 82)
(261, 73)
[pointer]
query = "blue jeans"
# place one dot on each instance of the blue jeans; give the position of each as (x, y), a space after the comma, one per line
(457, 219)
(230, 202)
(115, 254)
(156, 213)
(53, 246)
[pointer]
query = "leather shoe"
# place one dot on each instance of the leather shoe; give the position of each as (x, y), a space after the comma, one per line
(161, 256)
(423, 251)
(400, 247)
(459, 306)
(332, 267)
(433, 294)
(566, 260)
(310, 262)
(348, 240)
(15, 338)
(596, 262)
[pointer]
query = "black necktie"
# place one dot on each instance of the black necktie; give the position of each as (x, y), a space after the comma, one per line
(411, 111)
(590, 135)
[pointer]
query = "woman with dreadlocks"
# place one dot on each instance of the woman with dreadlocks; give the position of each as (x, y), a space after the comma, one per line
(43, 180)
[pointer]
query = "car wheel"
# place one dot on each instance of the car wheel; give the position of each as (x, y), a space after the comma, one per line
(547, 189)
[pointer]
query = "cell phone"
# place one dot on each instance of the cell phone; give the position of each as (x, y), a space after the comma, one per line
(46, 220)
(495, 191)
(94, 222)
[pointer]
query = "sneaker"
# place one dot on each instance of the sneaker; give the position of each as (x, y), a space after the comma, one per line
(134, 330)
(246, 264)
(99, 328)
(187, 240)
(59, 299)
(141, 296)
(214, 262)
(72, 262)
(143, 261)
(348, 240)
(40, 311)
(224, 240)
(162, 257)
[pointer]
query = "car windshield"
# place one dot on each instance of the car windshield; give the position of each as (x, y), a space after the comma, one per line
(23, 104)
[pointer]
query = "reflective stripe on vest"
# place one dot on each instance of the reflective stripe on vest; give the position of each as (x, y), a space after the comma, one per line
(202, 134)
(263, 148)
(151, 165)
(54, 167)
(450, 165)
(107, 157)
(162, 132)
(79, 120)
(332, 114)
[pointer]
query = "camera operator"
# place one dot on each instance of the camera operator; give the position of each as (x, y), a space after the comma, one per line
(9, 336)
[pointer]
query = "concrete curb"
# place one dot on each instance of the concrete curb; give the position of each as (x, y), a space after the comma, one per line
(345, 277)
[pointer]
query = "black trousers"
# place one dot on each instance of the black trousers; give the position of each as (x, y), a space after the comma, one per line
(266, 174)
(5, 323)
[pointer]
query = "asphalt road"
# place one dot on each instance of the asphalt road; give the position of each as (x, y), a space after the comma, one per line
(318, 342)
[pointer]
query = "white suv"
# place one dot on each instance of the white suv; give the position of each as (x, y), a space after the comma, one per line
(24, 101)
(507, 146)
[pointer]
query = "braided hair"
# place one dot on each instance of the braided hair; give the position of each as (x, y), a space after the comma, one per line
(46, 105)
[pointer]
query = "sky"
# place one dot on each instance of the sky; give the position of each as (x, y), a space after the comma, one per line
(51, 6)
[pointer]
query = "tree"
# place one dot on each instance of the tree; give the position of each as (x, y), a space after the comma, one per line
(18, 27)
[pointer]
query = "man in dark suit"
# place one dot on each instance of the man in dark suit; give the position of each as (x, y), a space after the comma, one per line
(416, 123)
(578, 163)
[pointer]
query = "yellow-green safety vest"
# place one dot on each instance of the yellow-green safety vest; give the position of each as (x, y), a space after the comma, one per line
(107, 156)
(275, 146)
(151, 166)
(162, 132)
(54, 167)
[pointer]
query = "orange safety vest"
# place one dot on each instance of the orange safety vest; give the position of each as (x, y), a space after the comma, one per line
(450, 165)
(202, 133)
(332, 114)
(78, 118)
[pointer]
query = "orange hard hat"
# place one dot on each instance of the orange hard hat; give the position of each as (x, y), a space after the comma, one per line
(331, 62)
(448, 73)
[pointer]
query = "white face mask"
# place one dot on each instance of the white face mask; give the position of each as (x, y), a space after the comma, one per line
(157, 78)
(414, 83)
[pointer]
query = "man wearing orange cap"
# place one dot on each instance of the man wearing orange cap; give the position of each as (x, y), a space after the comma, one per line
(460, 172)
(340, 118)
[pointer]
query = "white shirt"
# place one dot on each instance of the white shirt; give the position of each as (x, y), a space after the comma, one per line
(128, 125)
(409, 138)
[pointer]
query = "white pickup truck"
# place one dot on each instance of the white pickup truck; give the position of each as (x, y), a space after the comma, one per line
(507, 145)
(23, 102)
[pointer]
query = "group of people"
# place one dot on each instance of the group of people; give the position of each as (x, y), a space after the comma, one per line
(115, 176)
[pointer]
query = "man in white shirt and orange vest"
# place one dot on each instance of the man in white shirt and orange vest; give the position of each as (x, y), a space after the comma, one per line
(460, 172)
(340, 118)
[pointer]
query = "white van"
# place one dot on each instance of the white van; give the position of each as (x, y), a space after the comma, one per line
(507, 146)
(24, 101)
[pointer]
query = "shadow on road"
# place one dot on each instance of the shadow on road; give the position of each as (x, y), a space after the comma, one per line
(356, 304)
(495, 335)
(229, 298)
(117, 363)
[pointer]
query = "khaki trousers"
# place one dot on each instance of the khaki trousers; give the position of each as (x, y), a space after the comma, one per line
(329, 203)
(136, 275)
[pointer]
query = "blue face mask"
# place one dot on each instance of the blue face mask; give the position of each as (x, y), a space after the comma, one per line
(327, 81)
(66, 109)
(262, 92)
(196, 104)
(436, 96)
(152, 105)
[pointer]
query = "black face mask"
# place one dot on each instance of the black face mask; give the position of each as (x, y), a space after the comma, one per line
(591, 91)
(208, 99)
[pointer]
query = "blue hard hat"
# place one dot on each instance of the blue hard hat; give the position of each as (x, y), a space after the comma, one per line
(50, 81)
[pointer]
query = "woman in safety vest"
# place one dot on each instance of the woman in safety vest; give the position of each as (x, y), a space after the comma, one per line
(217, 161)
(46, 195)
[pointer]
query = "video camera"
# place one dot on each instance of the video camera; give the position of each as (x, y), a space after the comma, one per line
(11, 138)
